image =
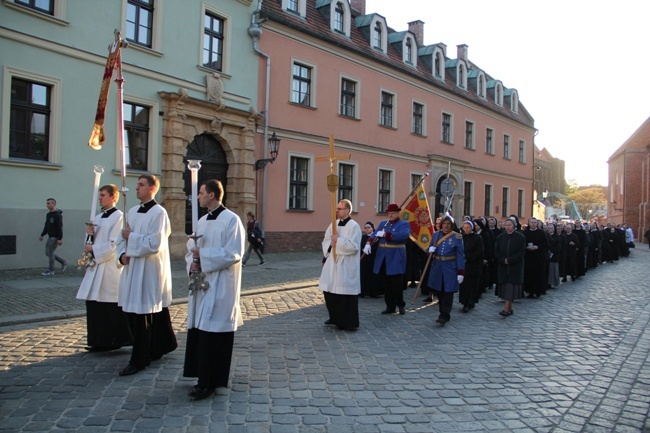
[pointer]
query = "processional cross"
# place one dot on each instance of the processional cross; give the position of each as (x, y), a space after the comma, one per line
(332, 183)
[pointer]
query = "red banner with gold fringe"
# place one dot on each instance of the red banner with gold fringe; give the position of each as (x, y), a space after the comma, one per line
(97, 137)
(416, 213)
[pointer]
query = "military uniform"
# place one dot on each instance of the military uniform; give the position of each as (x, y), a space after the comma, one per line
(447, 263)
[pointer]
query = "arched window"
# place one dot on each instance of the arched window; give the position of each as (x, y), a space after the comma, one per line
(377, 36)
(339, 18)
(408, 52)
(480, 88)
(439, 65)
(461, 74)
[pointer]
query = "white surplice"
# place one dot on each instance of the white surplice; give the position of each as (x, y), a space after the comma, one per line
(221, 248)
(146, 282)
(342, 277)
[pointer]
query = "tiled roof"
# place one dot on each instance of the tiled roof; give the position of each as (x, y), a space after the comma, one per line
(315, 25)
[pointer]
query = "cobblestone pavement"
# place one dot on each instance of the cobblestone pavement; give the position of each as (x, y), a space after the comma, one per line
(575, 360)
(28, 296)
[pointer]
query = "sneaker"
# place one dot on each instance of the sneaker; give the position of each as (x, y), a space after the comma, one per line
(47, 273)
(262, 262)
(65, 266)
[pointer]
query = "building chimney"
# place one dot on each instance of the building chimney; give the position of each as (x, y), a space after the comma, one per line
(359, 5)
(462, 51)
(417, 28)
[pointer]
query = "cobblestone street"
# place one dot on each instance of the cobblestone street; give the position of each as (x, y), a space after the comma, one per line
(575, 360)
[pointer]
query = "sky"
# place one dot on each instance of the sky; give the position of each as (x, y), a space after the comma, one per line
(581, 68)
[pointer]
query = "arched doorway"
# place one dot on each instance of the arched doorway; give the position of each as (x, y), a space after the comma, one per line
(214, 165)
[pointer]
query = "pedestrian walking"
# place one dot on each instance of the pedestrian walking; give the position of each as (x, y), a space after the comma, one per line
(54, 230)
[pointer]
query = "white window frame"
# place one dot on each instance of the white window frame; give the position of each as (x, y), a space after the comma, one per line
(310, 181)
(507, 155)
(472, 144)
(523, 203)
(393, 124)
(440, 73)
(413, 60)
(481, 83)
(498, 94)
(391, 194)
(302, 7)
(514, 101)
(493, 142)
(451, 128)
(384, 34)
(347, 17)
(227, 39)
(461, 75)
(355, 180)
(424, 118)
(522, 151)
(312, 85)
(154, 144)
(58, 16)
(357, 98)
(157, 29)
(54, 149)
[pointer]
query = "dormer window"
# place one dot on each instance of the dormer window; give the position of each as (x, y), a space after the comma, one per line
(461, 75)
(298, 7)
(408, 52)
(439, 65)
(377, 34)
(498, 94)
(514, 101)
(481, 84)
(339, 16)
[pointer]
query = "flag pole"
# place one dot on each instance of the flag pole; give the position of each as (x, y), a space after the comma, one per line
(417, 185)
(119, 79)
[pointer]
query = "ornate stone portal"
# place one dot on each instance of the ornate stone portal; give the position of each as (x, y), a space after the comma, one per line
(184, 119)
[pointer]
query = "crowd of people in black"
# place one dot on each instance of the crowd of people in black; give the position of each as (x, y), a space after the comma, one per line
(512, 259)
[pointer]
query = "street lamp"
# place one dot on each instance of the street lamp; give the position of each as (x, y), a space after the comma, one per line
(274, 144)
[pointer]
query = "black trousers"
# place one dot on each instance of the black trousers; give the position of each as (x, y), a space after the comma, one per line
(445, 302)
(394, 286)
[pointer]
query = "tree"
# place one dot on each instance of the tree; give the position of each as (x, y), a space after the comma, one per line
(571, 187)
(588, 199)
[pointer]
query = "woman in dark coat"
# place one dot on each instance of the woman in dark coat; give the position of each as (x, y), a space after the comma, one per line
(535, 280)
(509, 251)
(610, 244)
(469, 288)
(370, 285)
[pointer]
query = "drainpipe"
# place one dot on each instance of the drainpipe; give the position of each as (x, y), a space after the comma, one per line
(255, 32)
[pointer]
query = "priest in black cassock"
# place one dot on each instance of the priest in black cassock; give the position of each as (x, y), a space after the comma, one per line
(340, 279)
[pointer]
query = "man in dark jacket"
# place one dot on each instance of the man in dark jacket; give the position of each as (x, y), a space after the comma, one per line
(54, 230)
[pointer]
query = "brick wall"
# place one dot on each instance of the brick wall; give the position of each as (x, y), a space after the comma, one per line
(290, 242)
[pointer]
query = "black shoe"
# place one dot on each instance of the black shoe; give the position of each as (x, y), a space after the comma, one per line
(261, 263)
(95, 349)
(442, 321)
(413, 284)
(329, 322)
(428, 299)
(564, 280)
(199, 393)
(465, 309)
(130, 369)
(402, 311)
(506, 313)
(387, 311)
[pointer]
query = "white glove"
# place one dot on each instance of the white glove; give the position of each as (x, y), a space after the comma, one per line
(367, 249)
(380, 234)
(460, 279)
(432, 249)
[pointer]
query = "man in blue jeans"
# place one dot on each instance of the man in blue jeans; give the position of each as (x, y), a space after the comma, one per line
(54, 230)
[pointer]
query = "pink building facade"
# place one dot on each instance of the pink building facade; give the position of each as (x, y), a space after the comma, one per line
(398, 108)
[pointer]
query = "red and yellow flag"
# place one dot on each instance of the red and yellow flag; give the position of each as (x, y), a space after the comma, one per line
(416, 213)
(97, 137)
